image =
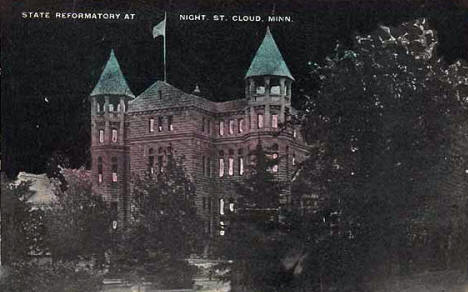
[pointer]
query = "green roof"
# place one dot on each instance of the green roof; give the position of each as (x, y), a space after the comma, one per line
(268, 60)
(112, 80)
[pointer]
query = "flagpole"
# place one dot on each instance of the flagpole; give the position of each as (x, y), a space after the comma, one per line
(165, 24)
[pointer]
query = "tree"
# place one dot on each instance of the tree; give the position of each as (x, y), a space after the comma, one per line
(255, 241)
(22, 228)
(166, 227)
(79, 221)
(382, 117)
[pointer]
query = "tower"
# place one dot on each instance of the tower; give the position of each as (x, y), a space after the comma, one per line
(109, 102)
(268, 85)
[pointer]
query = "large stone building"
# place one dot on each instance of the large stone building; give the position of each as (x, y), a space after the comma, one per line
(131, 135)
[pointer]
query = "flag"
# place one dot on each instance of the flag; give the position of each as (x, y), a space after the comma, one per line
(160, 29)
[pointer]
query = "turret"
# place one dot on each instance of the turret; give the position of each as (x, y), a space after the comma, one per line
(268, 85)
(109, 102)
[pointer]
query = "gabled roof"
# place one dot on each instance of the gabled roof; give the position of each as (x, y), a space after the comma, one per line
(268, 60)
(112, 80)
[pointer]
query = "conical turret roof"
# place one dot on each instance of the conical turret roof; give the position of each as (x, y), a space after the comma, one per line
(112, 80)
(268, 60)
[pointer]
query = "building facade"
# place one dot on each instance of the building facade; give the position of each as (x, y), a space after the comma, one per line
(132, 135)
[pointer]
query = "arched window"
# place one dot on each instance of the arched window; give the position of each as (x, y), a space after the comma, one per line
(114, 169)
(221, 206)
(99, 167)
(111, 107)
(240, 125)
(118, 107)
(231, 127)
(294, 159)
(151, 160)
(98, 107)
(259, 121)
(114, 135)
(101, 136)
(274, 120)
(221, 128)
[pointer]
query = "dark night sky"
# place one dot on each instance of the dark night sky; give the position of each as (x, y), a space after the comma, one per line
(61, 59)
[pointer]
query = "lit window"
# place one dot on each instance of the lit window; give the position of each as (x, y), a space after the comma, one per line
(231, 206)
(221, 206)
(231, 166)
(98, 107)
(118, 107)
(275, 90)
(151, 125)
(170, 126)
(294, 133)
(114, 169)
(101, 136)
(160, 124)
(222, 232)
(294, 159)
(240, 125)
(274, 121)
(221, 128)
(221, 167)
(260, 90)
(99, 166)
(260, 121)
(111, 107)
(114, 135)
(241, 165)
(275, 166)
(231, 127)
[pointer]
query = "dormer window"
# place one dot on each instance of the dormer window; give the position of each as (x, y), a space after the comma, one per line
(111, 107)
(259, 86)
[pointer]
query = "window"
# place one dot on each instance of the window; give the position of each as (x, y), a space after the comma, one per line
(114, 169)
(240, 125)
(260, 121)
(221, 128)
(160, 159)
(241, 165)
(231, 166)
(203, 125)
(209, 170)
(294, 134)
(231, 205)
(118, 107)
(99, 167)
(151, 125)
(160, 124)
(275, 166)
(151, 160)
(294, 159)
(221, 206)
(101, 136)
(111, 107)
(114, 135)
(274, 120)
(231, 127)
(170, 126)
(98, 107)
(222, 232)
(221, 167)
